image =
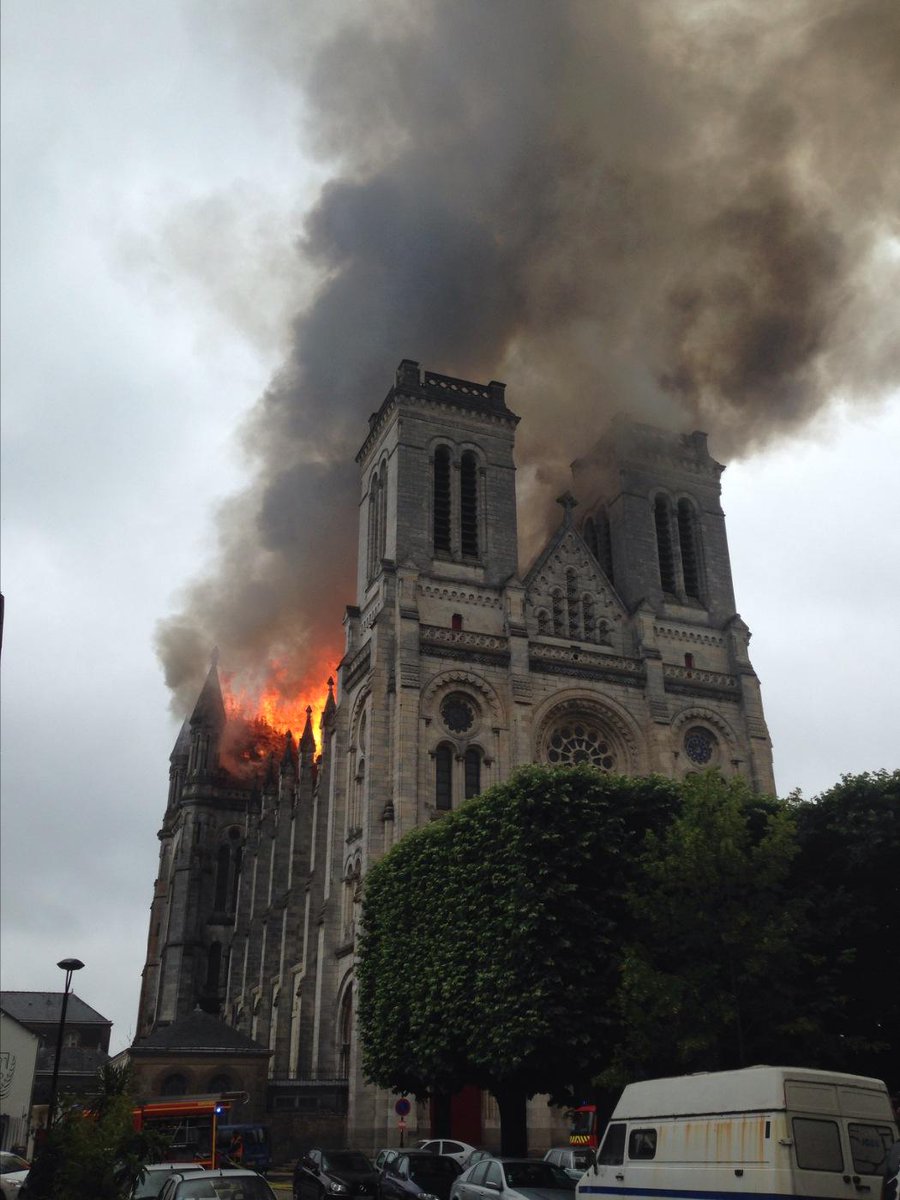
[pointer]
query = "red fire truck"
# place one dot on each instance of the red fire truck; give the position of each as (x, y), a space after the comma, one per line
(583, 1129)
(189, 1124)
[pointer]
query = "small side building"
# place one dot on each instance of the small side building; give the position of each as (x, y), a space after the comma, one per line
(85, 1046)
(18, 1060)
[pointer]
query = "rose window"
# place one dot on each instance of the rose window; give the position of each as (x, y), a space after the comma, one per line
(699, 745)
(581, 742)
(458, 713)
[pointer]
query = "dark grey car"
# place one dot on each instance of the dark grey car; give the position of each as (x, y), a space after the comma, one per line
(513, 1179)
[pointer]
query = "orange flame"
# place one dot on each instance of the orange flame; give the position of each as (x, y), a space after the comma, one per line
(279, 703)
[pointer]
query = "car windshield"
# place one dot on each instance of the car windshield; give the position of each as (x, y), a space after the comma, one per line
(582, 1160)
(347, 1160)
(533, 1175)
(11, 1162)
(234, 1187)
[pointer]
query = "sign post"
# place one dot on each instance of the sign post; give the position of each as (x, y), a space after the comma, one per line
(401, 1108)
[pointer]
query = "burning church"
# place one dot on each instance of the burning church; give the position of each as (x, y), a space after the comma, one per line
(620, 645)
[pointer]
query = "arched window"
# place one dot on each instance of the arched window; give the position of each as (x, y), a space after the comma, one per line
(220, 1083)
(174, 1085)
(604, 544)
(581, 739)
(376, 524)
(543, 620)
(468, 504)
(688, 539)
(443, 778)
(662, 519)
(237, 863)
(441, 516)
(359, 791)
(473, 772)
(573, 603)
(558, 626)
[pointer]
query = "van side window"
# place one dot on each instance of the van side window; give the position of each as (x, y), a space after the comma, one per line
(869, 1144)
(642, 1143)
(818, 1145)
(612, 1152)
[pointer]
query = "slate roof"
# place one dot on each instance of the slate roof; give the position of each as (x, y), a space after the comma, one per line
(44, 1008)
(199, 1033)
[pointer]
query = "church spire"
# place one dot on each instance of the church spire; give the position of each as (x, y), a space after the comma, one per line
(289, 758)
(328, 711)
(210, 707)
(308, 741)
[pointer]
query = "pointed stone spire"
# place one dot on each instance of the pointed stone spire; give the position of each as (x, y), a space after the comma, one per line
(308, 741)
(289, 758)
(327, 721)
(270, 779)
(210, 707)
(568, 502)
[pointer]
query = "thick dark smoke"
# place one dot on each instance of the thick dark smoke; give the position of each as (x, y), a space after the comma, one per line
(684, 210)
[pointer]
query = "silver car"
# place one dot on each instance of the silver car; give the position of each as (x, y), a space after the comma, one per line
(513, 1179)
(574, 1160)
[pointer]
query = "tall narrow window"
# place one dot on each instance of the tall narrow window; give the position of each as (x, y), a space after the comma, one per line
(573, 603)
(345, 1034)
(687, 536)
(664, 544)
(236, 877)
(443, 778)
(442, 499)
(223, 864)
(558, 627)
(213, 964)
(543, 620)
(468, 504)
(590, 624)
(473, 773)
(604, 544)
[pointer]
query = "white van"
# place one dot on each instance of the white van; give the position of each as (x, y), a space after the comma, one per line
(777, 1131)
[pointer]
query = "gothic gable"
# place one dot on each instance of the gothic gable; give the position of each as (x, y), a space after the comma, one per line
(568, 596)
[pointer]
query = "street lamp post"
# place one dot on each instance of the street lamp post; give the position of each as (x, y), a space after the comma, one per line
(69, 965)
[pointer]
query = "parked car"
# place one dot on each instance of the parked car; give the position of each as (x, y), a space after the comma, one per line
(227, 1183)
(418, 1173)
(13, 1172)
(574, 1160)
(331, 1173)
(513, 1179)
(383, 1157)
(449, 1148)
(155, 1175)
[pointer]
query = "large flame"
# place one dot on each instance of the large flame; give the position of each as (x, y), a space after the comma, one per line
(267, 709)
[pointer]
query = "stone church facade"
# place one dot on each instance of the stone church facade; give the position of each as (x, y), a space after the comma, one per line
(620, 646)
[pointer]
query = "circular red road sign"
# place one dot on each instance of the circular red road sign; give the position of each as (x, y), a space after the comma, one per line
(402, 1107)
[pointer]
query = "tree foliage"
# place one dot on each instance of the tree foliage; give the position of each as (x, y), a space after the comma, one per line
(712, 978)
(490, 938)
(848, 870)
(93, 1148)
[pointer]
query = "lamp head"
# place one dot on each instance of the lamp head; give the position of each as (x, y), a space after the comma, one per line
(70, 964)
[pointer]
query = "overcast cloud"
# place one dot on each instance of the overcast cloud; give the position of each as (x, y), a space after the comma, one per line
(159, 165)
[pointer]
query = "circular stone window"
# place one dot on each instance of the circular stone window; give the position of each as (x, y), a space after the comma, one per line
(699, 746)
(458, 712)
(581, 741)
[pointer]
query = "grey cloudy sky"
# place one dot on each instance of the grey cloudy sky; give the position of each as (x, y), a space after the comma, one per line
(158, 161)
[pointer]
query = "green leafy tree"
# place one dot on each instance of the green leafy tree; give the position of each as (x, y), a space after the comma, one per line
(93, 1149)
(490, 944)
(712, 979)
(848, 870)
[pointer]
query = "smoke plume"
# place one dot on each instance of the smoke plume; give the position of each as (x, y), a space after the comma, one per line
(683, 210)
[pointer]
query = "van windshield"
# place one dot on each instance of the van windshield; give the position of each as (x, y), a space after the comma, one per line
(612, 1151)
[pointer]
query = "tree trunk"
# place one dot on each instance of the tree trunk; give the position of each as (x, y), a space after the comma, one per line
(513, 1120)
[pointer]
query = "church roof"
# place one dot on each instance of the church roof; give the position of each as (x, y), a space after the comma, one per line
(44, 1008)
(210, 707)
(198, 1033)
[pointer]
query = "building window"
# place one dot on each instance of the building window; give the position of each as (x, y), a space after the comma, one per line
(543, 621)
(443, 778)
(581, 740)
(473, 772)
(458, 712)
(662, 519)
(377, 521)
(220, 1083)
(456, 622)
(700, 746)
(599, 541)
(573, 603)
(590, 624)
(174, 1085)
(688, 540)
(441, 516)
(556, 598)
(345, 1035)
(468, 504)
